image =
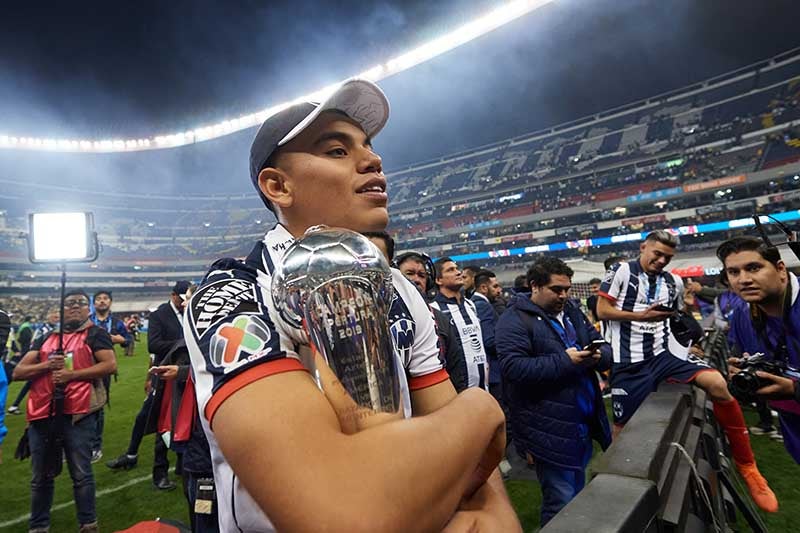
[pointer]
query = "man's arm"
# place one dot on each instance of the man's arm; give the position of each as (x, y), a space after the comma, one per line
(515, 353)
(607, 311)
(28, 368)
(490, 504)
(487, 319)
(387, 478)
(157, 343)
(106, 364)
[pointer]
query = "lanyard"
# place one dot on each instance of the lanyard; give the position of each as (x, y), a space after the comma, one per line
(562, 332)
(651, 299)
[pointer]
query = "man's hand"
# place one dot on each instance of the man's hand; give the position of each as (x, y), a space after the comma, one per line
(583, 357)
(63, 376)
(166, 372)
(148, 386)
(697, 351)
(651, 314)
(117, 339)
(55, 362)
(780, 388)
(693, 286)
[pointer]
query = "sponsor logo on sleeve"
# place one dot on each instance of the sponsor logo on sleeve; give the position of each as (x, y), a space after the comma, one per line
(219, 299)
(241, 341)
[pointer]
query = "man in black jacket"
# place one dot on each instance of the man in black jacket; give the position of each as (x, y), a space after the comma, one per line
(164, 331)
(412, 266)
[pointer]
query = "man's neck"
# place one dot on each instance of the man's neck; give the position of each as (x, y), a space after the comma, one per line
(102, 315)
(449, 293)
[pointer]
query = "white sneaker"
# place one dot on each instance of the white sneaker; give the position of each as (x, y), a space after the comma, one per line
(758, 430)
(14, 410)
(97, 455)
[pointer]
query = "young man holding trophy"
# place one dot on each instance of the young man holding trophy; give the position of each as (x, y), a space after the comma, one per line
(304, 396)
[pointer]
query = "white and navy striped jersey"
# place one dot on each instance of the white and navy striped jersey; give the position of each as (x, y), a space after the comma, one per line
(235, 336)
(465, 316)
(630, 288)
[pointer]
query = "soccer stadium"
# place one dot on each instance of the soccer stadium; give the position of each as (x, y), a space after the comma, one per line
(521, 133)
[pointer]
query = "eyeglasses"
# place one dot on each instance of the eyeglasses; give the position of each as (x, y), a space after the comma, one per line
(76, 303)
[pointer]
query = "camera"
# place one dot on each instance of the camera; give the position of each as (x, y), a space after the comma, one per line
(745, 383)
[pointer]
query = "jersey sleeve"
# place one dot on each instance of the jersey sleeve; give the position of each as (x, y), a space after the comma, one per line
(611, 287)
(680, 303)
(231, 335)
(425, 367)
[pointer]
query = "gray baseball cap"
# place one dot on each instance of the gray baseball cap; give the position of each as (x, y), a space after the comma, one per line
(359, 99)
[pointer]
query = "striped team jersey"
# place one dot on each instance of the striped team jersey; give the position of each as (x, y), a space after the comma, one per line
(630, 288)
(235, 336)
(465, 316)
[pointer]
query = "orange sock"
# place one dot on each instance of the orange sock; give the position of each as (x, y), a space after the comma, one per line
(730, 417)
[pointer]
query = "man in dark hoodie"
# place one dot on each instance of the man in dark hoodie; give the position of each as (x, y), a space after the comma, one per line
(551, 384)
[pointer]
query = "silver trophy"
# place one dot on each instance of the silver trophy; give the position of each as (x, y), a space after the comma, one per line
(337, 285)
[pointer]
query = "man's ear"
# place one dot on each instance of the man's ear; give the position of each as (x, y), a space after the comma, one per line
(275, 186)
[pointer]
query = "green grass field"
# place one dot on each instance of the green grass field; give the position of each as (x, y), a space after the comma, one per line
(125, 498)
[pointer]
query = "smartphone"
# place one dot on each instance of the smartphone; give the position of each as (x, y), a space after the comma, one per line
(595, 345)
(664, 308)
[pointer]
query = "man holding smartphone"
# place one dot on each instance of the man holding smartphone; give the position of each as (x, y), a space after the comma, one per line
(637, 299)
(548, 353)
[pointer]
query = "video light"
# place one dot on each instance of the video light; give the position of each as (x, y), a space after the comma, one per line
(61, 238)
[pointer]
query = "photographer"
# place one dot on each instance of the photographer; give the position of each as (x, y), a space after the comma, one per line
(771, 327)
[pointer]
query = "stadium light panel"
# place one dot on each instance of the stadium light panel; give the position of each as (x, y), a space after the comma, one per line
(496, 18)
(61, 238)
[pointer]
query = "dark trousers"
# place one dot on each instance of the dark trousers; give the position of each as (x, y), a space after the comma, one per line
(559, 487)
(78, 453)
(496, 390)
(201, 523)
(160, 459)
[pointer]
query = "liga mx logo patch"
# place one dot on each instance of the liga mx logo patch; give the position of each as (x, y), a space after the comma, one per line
(244, 339)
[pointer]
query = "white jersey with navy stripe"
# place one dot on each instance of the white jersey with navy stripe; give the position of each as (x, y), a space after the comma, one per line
(235, 336)
(630, 288)
(465, 316)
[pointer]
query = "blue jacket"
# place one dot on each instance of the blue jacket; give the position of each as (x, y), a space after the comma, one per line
(744, 336)
(488, 318)
(543, 385)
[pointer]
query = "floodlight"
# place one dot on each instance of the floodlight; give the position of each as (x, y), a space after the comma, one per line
(62, 238)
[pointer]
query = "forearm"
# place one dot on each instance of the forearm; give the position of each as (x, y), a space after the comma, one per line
(96, 371)
(387, 478)
(612, 313)
(26, 371)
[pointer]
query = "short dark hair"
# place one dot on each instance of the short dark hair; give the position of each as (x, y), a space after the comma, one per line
(78, 292)
(471, 268)
(521, 283)
(98, 293)
(483, 276)
(595, 281)
(411, 256)
(664, 237)
(748, 244)
(539, 273)
(385, 237)
(612, 260)
(439, 264)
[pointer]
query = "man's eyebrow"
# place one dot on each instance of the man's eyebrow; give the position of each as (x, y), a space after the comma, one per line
(344, 138)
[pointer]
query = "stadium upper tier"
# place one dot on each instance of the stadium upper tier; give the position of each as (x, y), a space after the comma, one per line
(722, 148)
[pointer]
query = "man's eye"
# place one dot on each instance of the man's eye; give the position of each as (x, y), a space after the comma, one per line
(337, 152)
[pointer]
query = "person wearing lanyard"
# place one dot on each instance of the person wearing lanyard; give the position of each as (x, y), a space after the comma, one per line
(103, 318)
(638, 298)
(549, 353)
(770, 325)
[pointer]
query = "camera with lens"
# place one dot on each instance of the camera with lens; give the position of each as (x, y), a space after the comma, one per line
(745, 383)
